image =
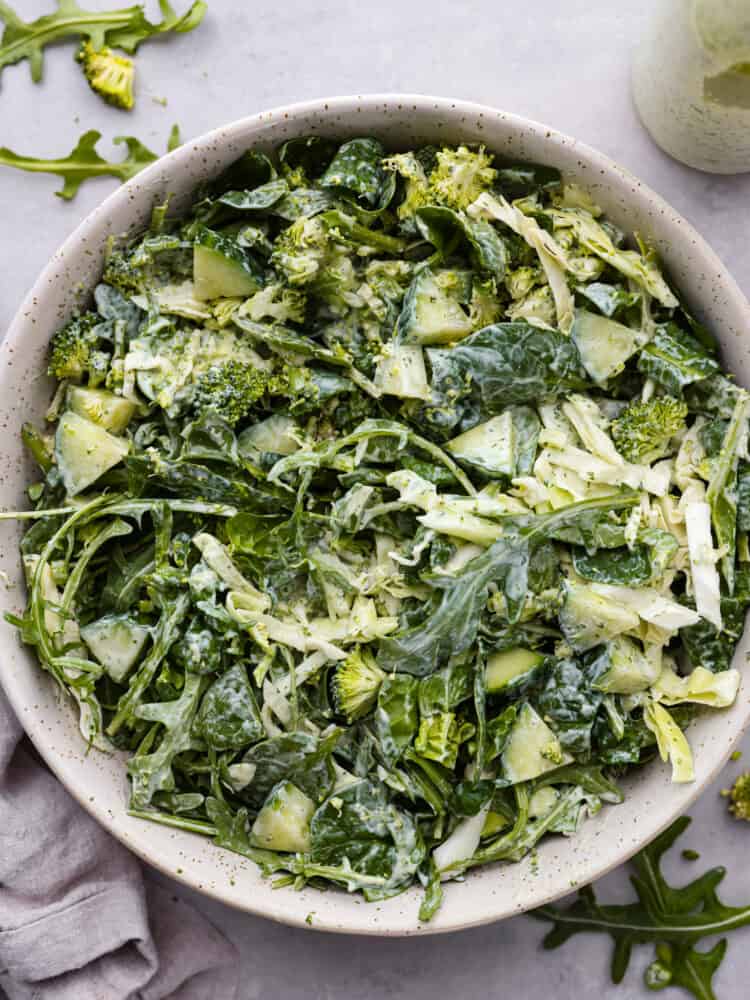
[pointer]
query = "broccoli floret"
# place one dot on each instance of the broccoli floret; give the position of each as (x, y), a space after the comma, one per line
(484, 307)
(74, 351)
(232, 388)
(461, 176)
(416, 186)
(285, 305)
(643, 432)
(110, 76)
(120, 273)
(739, 797)
(307, 254)
(356, 684)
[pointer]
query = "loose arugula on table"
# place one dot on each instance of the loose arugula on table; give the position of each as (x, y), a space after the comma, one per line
(390, 507)
(85, 162)
(674, 920)
(125, 28)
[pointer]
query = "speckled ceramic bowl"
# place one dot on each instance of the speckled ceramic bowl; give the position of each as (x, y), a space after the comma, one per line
(97, 779)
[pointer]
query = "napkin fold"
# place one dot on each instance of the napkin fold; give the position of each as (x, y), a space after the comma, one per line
(77, 919)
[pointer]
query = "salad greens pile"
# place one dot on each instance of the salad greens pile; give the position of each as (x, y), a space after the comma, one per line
(393, 507)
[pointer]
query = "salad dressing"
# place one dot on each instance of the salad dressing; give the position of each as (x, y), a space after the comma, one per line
(691, 82)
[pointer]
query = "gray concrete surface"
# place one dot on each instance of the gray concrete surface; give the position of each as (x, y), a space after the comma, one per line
(565, 64)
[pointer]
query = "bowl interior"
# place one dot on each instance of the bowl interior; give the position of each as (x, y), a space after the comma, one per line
(98, 779)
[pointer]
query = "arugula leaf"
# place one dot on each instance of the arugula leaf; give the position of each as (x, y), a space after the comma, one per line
(452, 626)
(85, 162)
(125, 28)
(151, 773)
(674, 920)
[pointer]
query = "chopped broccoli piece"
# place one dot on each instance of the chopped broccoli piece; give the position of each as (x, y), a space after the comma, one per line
(232, 388)
(74, 351)
(284, 305)
(356, 684)
(739, 797)
(416, 187)
(643, 432)
(109, 75)
(461, 175)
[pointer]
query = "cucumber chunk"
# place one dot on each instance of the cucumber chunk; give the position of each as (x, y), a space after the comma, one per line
(111, 412)
(116, 641)
(532, 748)
(85, 451)
(494, 823)
(509, 666)
(627, 669)
(429, 315)
(283, 824)
(276, 435)
(603, 344)
(221, 269)
(401, 372)
(490, 446)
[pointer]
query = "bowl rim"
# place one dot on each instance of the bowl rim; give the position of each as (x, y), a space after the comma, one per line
(329, 107)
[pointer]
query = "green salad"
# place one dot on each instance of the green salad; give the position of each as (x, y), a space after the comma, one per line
(391, 508)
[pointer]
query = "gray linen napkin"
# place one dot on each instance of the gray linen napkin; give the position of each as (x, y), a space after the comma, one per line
(77, 920)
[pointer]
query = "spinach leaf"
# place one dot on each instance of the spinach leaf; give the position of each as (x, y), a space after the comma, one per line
(675, 359)
(311, 154)
(445, 229)
(628, 567)
(357, 169)
(509, 363)
(517, 180)
(303, 759)
(610, 300)
(228, 718)
(396, 715)
(708, 647)
(570, 703)
(361, 839)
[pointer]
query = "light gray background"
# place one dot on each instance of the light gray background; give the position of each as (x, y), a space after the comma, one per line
(565, 64)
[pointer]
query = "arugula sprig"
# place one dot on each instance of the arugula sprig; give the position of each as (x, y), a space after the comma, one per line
(84, 162)
(125, 28)
(673, 919)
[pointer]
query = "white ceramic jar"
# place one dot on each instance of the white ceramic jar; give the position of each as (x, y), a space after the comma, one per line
(691, 82)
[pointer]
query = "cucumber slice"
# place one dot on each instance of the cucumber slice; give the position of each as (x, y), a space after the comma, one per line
(221, 269)
(509, 666)
(401, 372)
(532, 748)
(429, 315)
(494, 823)
(490, 446)
(627, 669)
(116, 641)
(276, 435)
(111, 412)
(283, 824)
(603, 344)
(85, 451)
